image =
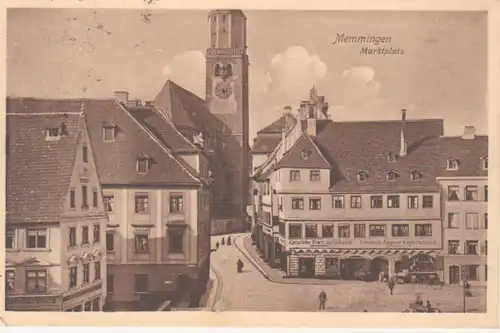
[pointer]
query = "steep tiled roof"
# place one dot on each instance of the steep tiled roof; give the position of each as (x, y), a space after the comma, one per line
(354, 147)
(116, 160)
(469, 152)
(304, 154)
(265, 143)
(39, 171)
(278, 125)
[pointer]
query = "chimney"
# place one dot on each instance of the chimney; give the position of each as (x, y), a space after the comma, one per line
(469, 133)
(283, 139)
(311, 126)
(403, 144)
(121, 97)
(287, 112)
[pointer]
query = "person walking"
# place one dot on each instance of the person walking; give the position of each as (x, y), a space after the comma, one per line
(239, 265)
(322, 300)
(217, 245)
(391, 284)
(228, 240)
(223, 243)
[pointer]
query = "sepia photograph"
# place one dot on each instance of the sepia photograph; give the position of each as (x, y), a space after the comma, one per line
(163, 160)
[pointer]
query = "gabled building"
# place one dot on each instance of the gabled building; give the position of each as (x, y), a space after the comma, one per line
(354, 199)
(55, 217)
(463, 175)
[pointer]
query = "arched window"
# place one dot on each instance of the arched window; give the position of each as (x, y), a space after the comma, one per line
(452, 164)
(415, 175)
(229, 70)
(362, 176)
(217, 70)
(392, 156)
(391, 176)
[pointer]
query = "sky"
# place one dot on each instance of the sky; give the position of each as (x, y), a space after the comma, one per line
(75, 53)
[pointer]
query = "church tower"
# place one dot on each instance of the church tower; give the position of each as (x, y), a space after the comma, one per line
(227, 99)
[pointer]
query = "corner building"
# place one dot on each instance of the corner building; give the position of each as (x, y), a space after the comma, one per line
(354, 199)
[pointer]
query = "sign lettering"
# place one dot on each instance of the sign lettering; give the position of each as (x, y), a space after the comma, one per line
(361, 243)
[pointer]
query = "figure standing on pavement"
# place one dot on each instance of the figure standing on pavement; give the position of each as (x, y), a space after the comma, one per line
(217, 245)
(223, 243)
(322, 300)
(228, 240)
(391, 284)
(239, 265)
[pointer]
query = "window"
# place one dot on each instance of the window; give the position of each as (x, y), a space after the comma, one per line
(294, 175)
(315, 203)
(36, 239)
(85, 154)
(355, 201)
(10, 238)
(454, 220)
(97, 270)
(400, 230)
(110, 241)
(485, 220)
(344, 231)
(96, 304)
(85, 203)
(295, 231)
(176, 203)
(10, 282)
(142, 165)
(391, 157)
(376, 201)
(453, 193)
(472, 247)
(391, 176)
(485, 247)
(315, 175)
(297, 203)
(485, 272)
(141, 203)
(96, 233)
(452, 164)
(52, 132)
(486, 193)
(72, 236)
(471, 221)
(176, 241)
(359, 230)
(362, 176)
(141, 243)
(109, 203)
(338, 201)
(108, 134)
(471, 193)
(36, 282)
(73, 276)
(85, 235)
(110, 283)
(72, 198)
(327, 230)
(423, 230)
(412, 202)
(95, 198)
(485, 163)
(141, 283)
(453, 246)
(377, 230)
(86, 273)
(87, 307)
(393, 201)
(471, 272)
(428, 201)
(311, 230)
(305, 153)
(415, 175)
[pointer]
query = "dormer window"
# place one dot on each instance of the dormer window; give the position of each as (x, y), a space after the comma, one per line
(391, 176)
(362, 176)
(392, 157)
(108, 132)
(305, 153)
(52, 134)
(415, 175)
(485, 162)
(142, 164)
(452, 164)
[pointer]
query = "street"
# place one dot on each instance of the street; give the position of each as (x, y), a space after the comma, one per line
(251, 291)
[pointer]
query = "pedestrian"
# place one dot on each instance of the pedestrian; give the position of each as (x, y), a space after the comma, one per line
(222, 241)
(429, 306)
(228, 240)
(239, 265)
(217, 245)
(390, 284)
(322, 300)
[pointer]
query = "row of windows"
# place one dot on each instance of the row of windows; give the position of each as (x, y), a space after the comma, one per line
(85, 202)
(470, 247)
(471, 221)
(315, 175)
(376, 201)
(35, 283)
(454, 163)
(471, 193)
(36, 238)
(141, 283)
(73, 274)
(175, 238)
(142, 203)
(344, 230)
(96, 233)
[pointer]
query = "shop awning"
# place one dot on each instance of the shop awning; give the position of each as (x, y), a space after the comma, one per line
(367, 252)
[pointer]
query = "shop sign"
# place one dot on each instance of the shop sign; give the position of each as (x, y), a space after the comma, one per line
(281, 241)
(362, 243)
(267, 230)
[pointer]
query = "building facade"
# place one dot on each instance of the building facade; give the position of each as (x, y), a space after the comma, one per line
(55, 217)
(353, 199)
(463, 175)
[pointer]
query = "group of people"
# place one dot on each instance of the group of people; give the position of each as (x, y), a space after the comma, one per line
(239, 263)
(217, 245)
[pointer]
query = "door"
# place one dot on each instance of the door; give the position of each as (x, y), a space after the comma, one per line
(454, 275)
(306, 267)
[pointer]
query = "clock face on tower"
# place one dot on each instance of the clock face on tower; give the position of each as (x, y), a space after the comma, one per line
(223, 90)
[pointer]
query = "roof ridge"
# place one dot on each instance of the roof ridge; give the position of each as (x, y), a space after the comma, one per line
(317, 148)
(168, 151)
